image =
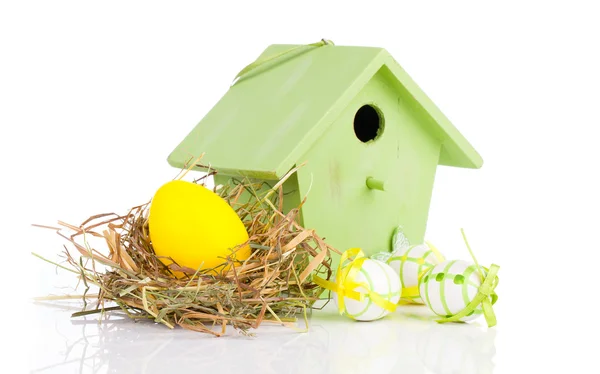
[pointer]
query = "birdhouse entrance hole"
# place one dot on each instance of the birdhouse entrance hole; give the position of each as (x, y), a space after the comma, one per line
(368, 123)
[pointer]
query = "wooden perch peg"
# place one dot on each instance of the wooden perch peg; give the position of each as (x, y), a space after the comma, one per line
(375, 184)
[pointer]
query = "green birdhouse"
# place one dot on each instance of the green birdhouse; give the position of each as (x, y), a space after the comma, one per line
(370, 138)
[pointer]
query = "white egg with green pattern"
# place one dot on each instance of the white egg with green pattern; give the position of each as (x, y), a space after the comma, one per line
(411, 263)
(449, 287)
(381, 279)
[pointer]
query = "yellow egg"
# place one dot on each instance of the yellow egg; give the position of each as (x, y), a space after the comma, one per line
(195, 226)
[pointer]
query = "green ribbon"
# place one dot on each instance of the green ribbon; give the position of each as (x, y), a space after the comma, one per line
(486, 297)
(264, 60)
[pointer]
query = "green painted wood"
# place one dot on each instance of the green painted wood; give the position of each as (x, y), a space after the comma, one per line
(300, 107)
(340, 206)
(274, 114)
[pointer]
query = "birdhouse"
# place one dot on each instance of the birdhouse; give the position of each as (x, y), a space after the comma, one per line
(370, 137)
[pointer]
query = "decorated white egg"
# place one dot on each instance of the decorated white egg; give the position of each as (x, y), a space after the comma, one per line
(450, 286)
(379, 286)
(410, 265)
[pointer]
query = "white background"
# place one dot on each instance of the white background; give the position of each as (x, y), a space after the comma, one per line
(94, 96)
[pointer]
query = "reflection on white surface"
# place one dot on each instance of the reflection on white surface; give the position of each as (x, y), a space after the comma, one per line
(463, 348)
(407, 341)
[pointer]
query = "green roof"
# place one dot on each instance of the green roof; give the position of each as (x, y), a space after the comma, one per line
(272, 115)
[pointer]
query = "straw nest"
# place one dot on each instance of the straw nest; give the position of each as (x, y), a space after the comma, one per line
(274, 285)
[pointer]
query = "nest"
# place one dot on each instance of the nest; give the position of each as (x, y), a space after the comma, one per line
(274, 285)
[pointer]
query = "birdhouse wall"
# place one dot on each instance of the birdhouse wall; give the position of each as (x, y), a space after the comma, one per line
(404, 156)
